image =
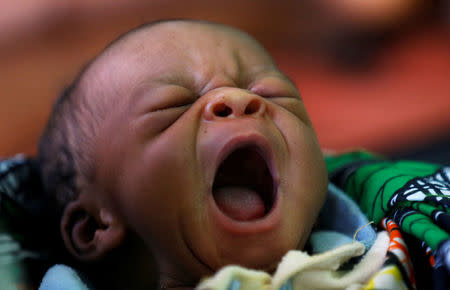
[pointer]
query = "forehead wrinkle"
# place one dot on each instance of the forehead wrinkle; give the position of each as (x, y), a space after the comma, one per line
(253, 62)
(239, 69)
(223, 65)
(211, 72)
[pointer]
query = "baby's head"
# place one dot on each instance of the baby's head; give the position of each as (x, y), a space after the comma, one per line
(186, 135)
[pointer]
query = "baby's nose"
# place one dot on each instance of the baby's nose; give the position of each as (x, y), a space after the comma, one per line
(234, 105)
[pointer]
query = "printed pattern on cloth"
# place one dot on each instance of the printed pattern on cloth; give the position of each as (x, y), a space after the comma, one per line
(397, 272)
(413, 195)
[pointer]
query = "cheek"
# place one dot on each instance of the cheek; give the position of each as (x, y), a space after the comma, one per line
(157, 184)
(305, 195)
(305, 182)
(307, 171)
(305, 156)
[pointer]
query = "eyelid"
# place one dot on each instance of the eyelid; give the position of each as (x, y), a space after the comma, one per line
(283, 99)
(280, 98)
(157, 121)
(175, 104)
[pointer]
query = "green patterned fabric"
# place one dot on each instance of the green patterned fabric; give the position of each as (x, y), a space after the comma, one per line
(415, 194)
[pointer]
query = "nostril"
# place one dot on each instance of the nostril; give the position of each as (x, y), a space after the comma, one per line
(222, 110)
(253, 107)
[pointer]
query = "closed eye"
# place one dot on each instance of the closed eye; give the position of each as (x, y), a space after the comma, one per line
(293, 105)
(164, 118)
(285, 102)
(155, 122)
(174, 102)
(283, 99)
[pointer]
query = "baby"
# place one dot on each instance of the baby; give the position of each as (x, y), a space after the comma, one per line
(182, 148)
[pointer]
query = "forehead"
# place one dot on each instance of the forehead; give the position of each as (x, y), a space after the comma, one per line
(190, 54)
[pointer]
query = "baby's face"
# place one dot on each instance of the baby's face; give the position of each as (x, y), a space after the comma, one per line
(208, 153)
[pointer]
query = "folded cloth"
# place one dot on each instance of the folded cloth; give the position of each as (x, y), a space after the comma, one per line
(414, 195)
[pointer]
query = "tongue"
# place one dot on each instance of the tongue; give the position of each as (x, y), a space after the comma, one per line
(239, 203)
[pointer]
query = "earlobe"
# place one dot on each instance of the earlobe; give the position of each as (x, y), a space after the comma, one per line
(90, 235)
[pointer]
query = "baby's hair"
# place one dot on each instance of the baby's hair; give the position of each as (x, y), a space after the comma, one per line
(58, 156)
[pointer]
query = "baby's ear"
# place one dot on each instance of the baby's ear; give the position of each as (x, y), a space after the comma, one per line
(90, 234)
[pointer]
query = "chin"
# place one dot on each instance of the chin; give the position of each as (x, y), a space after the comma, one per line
(259, 251)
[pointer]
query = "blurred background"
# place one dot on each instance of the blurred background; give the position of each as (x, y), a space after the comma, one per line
(374, 74)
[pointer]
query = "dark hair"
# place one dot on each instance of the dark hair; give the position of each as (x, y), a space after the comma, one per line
(60, 157)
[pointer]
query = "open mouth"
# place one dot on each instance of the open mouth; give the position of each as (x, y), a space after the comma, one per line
(243, 187)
